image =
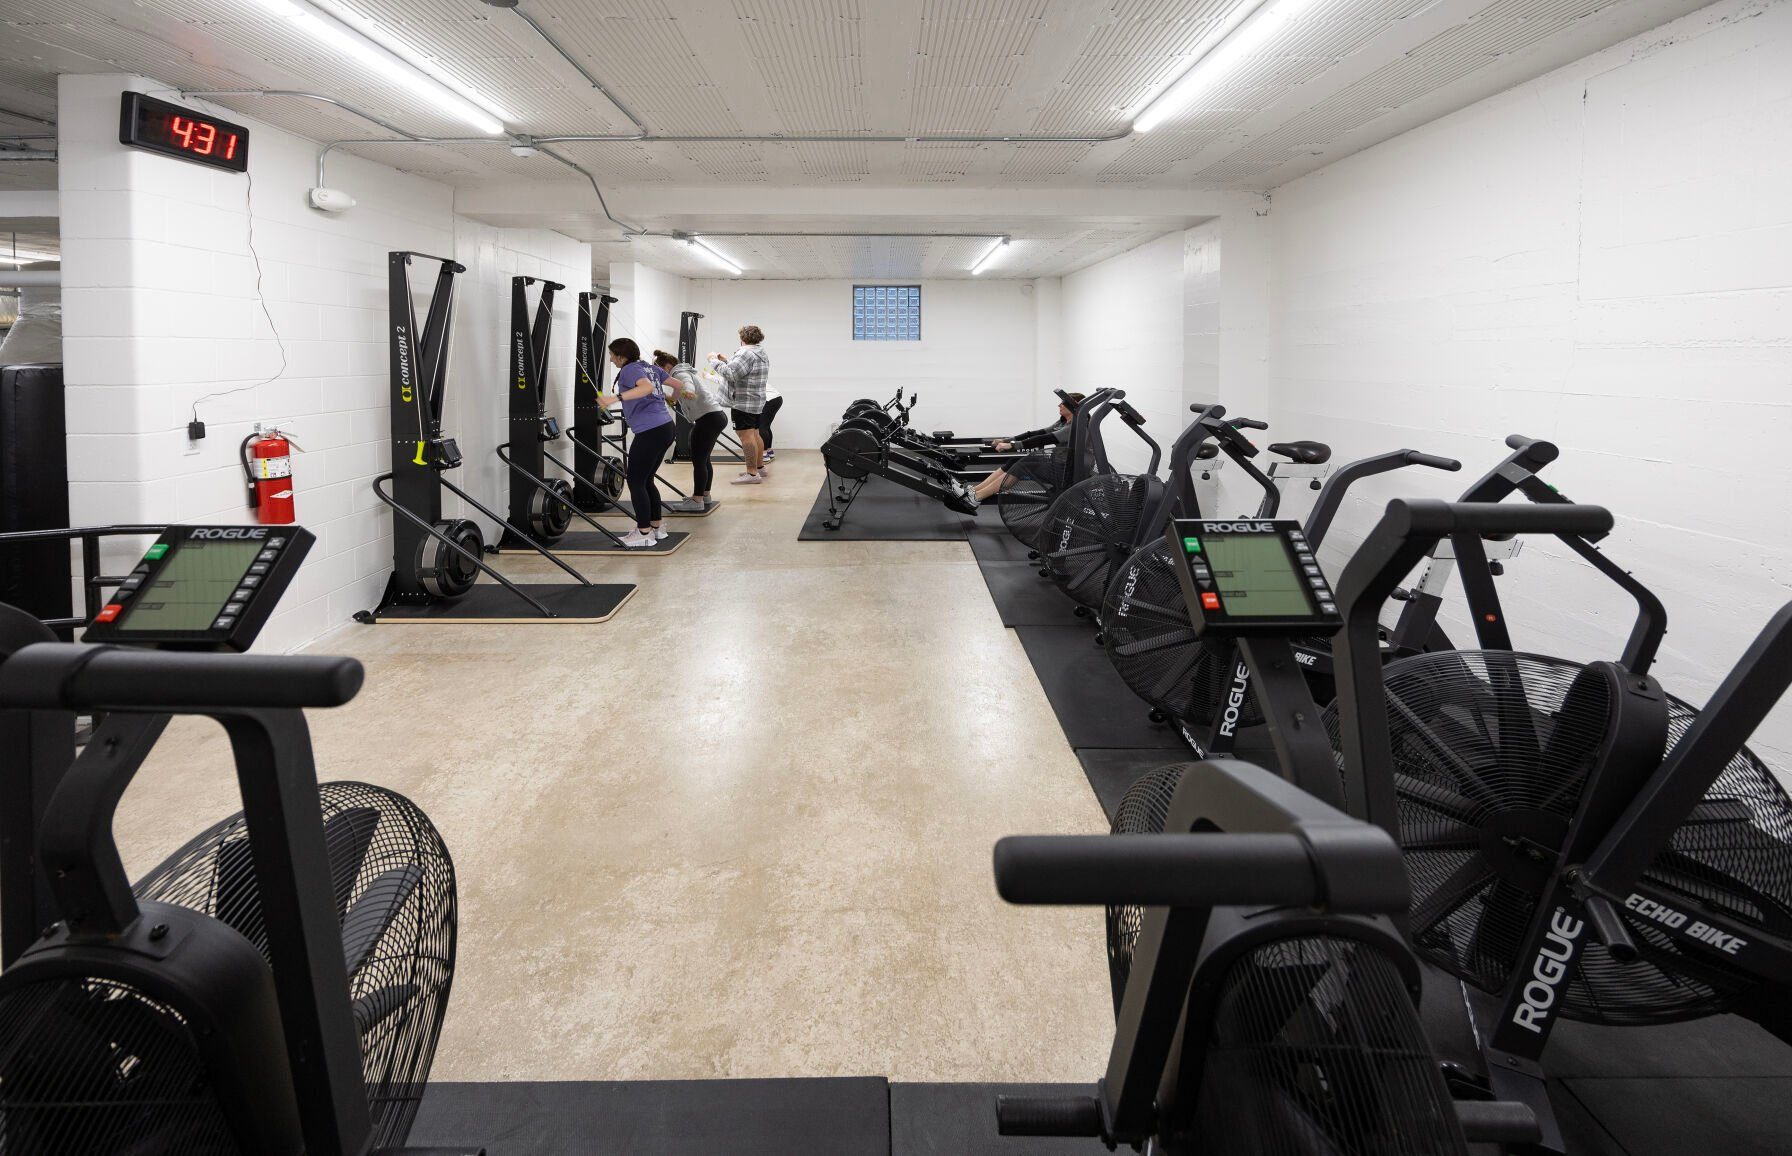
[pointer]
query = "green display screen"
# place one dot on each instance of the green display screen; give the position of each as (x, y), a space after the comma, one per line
(191, 587)
(1256, 574)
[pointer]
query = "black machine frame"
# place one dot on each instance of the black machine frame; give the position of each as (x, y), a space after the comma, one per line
(1634, 798)
(547, 507)
(283, 1107)
(421, 587)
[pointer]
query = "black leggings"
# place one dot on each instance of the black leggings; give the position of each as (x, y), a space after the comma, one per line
(765, 420)
(645, 453)
(704, 433)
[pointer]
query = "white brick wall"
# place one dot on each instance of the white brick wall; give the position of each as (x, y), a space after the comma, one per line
(973, 367)
(160, 308)
(1602, 257)
(1124, 321)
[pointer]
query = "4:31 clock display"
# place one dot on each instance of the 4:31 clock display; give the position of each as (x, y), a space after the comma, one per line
(147, 123)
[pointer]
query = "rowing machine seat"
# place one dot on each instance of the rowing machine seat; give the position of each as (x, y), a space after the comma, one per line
(1306, 453)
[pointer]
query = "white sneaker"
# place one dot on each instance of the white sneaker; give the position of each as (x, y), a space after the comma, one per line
(659, 534)
(747, 480)
(635, 540)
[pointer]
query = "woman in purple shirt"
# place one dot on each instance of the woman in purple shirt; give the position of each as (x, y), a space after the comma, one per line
(641, 389)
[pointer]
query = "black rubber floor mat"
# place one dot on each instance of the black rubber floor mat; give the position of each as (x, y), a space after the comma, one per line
(1727, 1046)
(1735, 1117)
(1111, 772)
(1023, 598)
(991, 542)
(885, 512)
(850, 1117)
(960, 1120)
(1093, 706)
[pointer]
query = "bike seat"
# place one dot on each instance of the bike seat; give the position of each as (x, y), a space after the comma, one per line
(1206, 450)
(1306, 453)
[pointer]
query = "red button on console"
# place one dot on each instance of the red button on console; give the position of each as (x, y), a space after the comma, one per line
(109, 613)
(1210, 601)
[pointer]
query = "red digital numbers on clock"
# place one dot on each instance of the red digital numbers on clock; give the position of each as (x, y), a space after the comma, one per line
(201, 137)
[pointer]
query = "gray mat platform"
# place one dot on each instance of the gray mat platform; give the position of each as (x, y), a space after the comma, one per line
(1093, 705)
(991, 541)
(492, 602)
(849, 1116)
(1023, 598)
(885, 512)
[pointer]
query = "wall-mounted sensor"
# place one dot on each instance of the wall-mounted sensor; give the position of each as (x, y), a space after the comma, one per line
(331, 200)
(522, 150)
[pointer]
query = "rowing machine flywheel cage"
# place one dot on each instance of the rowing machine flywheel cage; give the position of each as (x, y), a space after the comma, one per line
(1091, 530)
(1313, 1045)
(1493, 752)
(95, 1066)
(848, 452)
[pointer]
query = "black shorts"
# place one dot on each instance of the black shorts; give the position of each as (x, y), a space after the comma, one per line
(743, 419)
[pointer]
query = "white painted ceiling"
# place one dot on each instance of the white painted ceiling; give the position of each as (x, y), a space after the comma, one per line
(1348, 74)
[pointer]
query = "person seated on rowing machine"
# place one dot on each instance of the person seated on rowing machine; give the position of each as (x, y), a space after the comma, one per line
(1057, 436)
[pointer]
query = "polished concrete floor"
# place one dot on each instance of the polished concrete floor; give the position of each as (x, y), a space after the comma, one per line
(743, 829)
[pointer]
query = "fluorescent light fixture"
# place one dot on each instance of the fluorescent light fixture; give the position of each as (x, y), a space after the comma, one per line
(386, 57)
(1246, 29)
(26, 257)
(983, 262)
(698, 244)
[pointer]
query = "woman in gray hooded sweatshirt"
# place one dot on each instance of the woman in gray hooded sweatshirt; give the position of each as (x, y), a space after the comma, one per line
(706, 413)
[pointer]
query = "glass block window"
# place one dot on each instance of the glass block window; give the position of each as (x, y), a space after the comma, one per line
(886, 313)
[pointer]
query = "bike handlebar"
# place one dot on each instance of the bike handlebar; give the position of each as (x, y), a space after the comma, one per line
(1205, 870)
(81, 676)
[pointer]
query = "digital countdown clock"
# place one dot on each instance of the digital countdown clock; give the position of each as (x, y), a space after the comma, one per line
(147, 123)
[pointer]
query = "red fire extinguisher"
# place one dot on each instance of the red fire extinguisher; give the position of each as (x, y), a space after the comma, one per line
(267, 468)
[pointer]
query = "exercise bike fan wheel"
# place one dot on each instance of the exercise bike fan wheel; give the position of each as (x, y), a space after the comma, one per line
(1027, 501)
(550, 511)
(1491, 752)
(99, 1067)
(445, 572)
(1315, 1047)
(1090, 530)
(1146, 630)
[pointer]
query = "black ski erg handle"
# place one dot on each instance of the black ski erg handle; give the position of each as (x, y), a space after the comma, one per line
(83, 676)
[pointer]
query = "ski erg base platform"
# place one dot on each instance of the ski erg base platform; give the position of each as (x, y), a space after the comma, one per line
(586, 542)
(683, 508)
(567, 604)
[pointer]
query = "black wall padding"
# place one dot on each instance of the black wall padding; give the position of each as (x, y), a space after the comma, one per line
(34, 489)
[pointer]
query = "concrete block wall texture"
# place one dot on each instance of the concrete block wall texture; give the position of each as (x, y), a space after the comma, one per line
(649, 303)
(1601, 257)
(974, 368)
(1128, 335)
(162, 307)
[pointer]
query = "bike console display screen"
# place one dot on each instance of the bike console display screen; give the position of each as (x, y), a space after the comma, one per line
(1251, 576)
(205, 587)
